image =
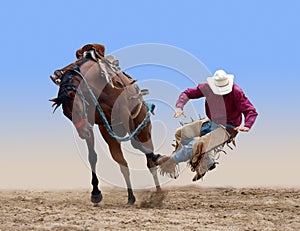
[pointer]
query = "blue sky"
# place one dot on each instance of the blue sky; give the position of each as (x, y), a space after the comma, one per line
(251, 39)
(258, 41)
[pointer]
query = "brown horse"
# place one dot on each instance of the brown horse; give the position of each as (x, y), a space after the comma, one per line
(93, 84)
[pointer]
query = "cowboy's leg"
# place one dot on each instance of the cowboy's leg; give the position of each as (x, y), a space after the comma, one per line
(168, 163)
(185, 153)
(190, 130)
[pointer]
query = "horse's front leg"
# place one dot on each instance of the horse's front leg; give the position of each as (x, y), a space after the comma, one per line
(117, 155)
(96, 195)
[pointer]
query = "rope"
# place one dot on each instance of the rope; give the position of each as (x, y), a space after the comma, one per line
(106, 123)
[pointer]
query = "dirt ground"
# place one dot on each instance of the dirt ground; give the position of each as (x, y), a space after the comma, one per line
(180, 208)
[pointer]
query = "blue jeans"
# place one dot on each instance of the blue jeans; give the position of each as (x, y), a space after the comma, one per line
(186, 152)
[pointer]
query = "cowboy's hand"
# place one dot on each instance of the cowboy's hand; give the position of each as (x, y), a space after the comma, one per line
(242, 129)
(178, 112)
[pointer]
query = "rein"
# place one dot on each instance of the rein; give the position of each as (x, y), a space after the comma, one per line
(106, 123)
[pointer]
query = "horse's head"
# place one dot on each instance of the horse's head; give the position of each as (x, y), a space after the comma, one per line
(73, 102)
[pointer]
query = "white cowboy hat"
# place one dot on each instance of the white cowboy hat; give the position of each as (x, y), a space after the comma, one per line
(221, 83)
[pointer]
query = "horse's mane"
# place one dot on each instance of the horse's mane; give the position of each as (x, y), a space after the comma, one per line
(62, 95)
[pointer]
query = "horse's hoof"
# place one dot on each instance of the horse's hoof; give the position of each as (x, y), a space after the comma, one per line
(96, 198)
(131, 200)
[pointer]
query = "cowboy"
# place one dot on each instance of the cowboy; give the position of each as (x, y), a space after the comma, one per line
(224, 106)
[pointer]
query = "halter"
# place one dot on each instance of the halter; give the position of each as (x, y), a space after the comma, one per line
(85, 105)
(71, 87)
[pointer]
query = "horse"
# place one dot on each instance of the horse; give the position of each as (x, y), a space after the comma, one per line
(94, 91)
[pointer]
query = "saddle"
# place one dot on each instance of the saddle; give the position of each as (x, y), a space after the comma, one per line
(98, 48)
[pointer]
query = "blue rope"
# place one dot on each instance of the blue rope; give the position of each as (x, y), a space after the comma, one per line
(106, 123)
(131, 135)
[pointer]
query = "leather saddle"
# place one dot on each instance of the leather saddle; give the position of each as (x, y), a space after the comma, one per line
(99, 50)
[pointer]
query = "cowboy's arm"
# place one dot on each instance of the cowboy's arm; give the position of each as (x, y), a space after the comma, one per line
(184, 97)
(248, 110)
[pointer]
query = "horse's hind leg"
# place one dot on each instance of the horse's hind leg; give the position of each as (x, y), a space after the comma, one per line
(96, 195)
(117, 155)
(151, 157)
(153, 169)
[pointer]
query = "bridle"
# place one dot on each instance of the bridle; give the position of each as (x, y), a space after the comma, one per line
(66, 86)
(85, 104)
(59, 75)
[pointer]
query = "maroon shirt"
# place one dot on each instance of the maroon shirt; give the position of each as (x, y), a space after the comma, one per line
(223, 109)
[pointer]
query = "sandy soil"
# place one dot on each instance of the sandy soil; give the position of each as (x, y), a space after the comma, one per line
(183, 208)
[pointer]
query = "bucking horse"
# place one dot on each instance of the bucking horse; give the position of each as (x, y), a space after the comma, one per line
(94, 90)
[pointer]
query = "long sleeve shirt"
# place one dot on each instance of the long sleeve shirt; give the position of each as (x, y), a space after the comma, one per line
(223, 109)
